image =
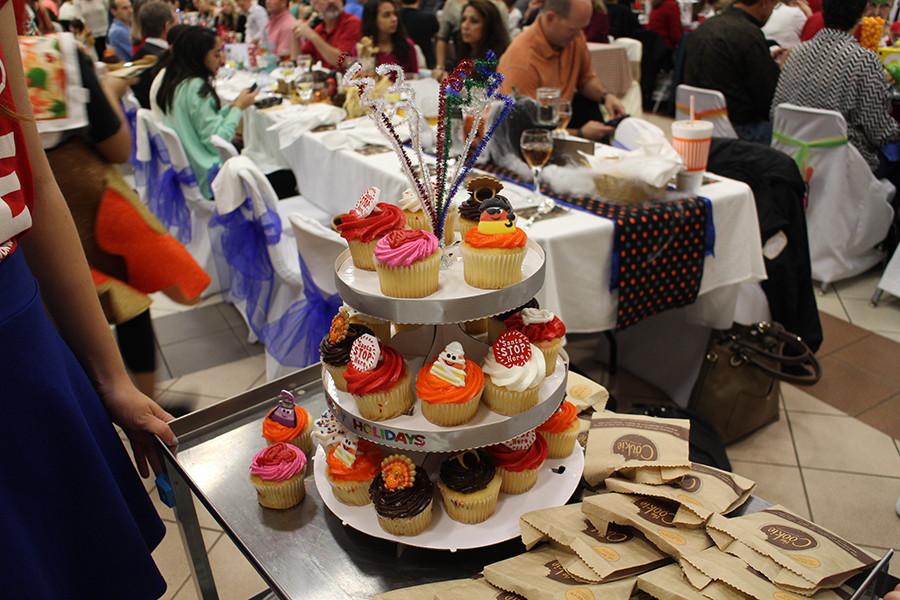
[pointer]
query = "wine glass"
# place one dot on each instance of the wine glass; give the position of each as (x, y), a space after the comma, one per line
(565, 115)
(537, 146)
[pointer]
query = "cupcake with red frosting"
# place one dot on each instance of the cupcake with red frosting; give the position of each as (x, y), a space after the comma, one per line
(378, 378)
(543, 329)
(497, 323)
(351, 467)
(408, 263)
(363, 226)
(450, 387)
(288, 423)
(494, 251)
(561, 430)
(518, 461)
(277, 474)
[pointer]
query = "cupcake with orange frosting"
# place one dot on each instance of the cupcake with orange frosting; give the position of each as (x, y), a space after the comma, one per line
(403, 496)
(408, 263)
(494, 251)
(378, 378)
(514, 370)
(288, 423)
(367, 223)
(277, 474)
(351, 467)
(543, 329)
(480, 189)
(450, 387)
(561, 430)
(518, 461)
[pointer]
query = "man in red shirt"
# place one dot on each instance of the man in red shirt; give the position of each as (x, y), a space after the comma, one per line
(336, 34)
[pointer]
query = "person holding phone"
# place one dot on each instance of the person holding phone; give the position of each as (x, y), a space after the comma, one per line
(189, 102)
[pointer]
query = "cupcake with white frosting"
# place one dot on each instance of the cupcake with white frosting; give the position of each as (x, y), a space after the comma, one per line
(514, 370)
(417, 218)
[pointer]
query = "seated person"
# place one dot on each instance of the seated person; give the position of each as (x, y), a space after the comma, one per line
(381, 23)
(156, 18)
(230, 18)
(729, 53)
(832, 71)
(255, 21)
(280, 29)
(421, 27)
(448, 29)
(598, 29)
(332, 39)
(119, 36)
(189, 102)
(665, 21)
(480, 30)
(553, 53)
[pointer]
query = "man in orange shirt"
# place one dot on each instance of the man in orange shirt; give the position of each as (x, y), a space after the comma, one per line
(553, 53)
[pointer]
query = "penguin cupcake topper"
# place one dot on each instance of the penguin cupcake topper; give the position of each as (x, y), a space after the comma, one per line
(497, 216)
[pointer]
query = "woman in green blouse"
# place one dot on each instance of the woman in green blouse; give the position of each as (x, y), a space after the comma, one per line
(189, 102)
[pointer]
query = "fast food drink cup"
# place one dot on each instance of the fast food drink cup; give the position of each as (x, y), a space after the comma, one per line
(691, 139)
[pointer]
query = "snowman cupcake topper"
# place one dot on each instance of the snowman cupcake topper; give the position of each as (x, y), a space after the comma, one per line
(450, 365)
(285, 413)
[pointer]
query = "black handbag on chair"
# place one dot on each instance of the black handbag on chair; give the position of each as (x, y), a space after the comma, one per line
(737, 390)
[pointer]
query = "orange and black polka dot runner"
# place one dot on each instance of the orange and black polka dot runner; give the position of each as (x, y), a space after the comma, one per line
(659, 249)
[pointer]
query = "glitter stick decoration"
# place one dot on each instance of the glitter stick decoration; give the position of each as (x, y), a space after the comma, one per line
(470, 88)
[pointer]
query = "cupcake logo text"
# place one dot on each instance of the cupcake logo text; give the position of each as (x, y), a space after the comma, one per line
(388, 435)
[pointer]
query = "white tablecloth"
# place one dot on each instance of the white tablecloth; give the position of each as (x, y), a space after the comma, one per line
(578, 245)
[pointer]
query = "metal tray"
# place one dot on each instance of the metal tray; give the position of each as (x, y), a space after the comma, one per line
(306, 552)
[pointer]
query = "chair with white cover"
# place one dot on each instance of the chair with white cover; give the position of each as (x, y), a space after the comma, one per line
(319, 247)
(709, 105)
(198, 241)
(849, 210)
(225, 148)
(890, 279)
(268, 285)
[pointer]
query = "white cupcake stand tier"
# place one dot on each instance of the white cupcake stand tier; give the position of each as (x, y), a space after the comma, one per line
(557, 481)
(429, 325)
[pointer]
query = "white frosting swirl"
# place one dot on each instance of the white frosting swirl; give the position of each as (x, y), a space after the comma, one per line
(536, 316)
(409, 202)
(517, 379)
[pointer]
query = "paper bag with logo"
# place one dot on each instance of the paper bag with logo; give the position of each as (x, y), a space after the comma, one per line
(669, 583)
(646, 449)
(790, 551)
(702, 492)
(620, 552)
(714, 566)
(539, 575)
(585, 394)
(653, 517)
(474, 588)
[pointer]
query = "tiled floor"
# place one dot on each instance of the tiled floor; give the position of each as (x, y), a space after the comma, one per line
(825, 458)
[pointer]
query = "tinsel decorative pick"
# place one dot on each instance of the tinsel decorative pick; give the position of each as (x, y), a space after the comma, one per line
(470, 88)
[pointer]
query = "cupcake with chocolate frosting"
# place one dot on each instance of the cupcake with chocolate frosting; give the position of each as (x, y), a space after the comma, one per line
(403, 496)
(335, 347)
(379, 379)
(470, 486)
(497, 323)
(543, 329)
(480, 189)
(518, 461)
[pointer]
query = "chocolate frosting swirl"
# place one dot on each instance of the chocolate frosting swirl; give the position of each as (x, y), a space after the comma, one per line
(474, 476)
(533, 303)
(338, 355)
(402, 504)
(470, 209)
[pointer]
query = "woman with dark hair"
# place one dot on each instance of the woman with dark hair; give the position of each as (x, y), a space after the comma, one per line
(481, 29)
(189, 102)
(382, 24)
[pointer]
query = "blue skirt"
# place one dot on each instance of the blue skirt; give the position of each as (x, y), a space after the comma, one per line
(75, 521)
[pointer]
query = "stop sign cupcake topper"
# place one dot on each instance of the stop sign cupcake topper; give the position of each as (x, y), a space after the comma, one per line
(365, 352)
(512, 349)
(366, 203)
(521, 442)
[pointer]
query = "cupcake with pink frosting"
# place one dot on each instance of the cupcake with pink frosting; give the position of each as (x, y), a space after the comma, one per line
(277, 474)
(408, 262)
